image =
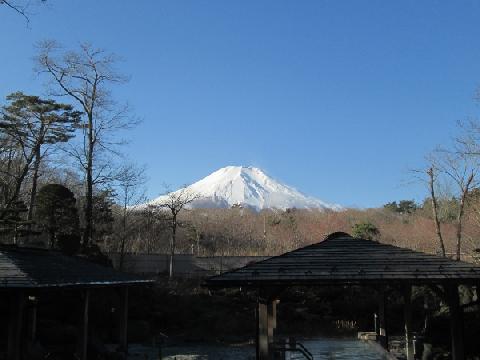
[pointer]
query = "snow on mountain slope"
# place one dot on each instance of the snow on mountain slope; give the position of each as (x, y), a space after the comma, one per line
(248, 187)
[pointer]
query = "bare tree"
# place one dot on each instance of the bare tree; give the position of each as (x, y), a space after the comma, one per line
(175, 202)
(154, 219)
(462, 169)
(430, 177)
(130, 192)
(431, 172)
(21, 7)
(85, 76)
(11, 163)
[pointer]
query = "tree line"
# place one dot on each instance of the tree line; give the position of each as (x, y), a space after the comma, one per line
(64, 182)
(61, 165)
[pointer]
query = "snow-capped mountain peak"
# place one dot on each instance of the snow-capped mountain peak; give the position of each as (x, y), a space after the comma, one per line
(249, 187)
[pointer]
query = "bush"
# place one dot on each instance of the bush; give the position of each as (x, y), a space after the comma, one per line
(68, 244)
(365, 230)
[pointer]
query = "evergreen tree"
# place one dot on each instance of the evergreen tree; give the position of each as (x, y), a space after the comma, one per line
(392, 206)
(32, 123)
(14, 224)
(407, 206)
(403, 207)
(57, 212)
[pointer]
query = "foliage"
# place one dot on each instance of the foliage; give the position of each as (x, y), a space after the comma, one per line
(365, 230)
(56, 211)
(14, 224)
(69, 244)
(28, 124)
(403, 207)
(31, 120)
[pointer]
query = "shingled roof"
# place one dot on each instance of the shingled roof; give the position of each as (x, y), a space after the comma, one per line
(343, 259)
(38, 268)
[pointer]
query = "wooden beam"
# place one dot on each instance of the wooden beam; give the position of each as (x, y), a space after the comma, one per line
(123, 314)
(262, 331)
(381, 320)
(17, 305)
(84, 339)
(407, 294)
(456, 322)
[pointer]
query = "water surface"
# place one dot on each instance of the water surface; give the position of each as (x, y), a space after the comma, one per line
(340, 349)
(321, 348)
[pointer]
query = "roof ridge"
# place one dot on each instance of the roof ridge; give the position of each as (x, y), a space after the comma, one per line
(349, 260)
(13, 247)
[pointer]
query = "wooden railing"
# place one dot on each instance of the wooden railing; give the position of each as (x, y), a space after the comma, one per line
(291, 345)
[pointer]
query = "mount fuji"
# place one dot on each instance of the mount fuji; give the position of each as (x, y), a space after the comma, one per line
(248, 187)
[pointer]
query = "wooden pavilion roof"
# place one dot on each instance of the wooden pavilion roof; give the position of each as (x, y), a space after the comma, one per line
(342, 259)
(39, 268)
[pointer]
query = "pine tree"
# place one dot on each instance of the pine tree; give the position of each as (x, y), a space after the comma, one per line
(32, 124)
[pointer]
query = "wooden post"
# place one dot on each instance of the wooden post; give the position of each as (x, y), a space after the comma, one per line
(32, 321)
(275, 304)
(123, 313)
(456, 322)
(262, 331)
(17, 305)
(408, 321)
(381, 320)
(84, 339)
(271, 319)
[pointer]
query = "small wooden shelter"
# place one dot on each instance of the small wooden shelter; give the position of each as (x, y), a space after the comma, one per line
(341, 259)
(28, 273)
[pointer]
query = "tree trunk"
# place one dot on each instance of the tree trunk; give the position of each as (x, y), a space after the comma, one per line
(18, 186)
(5, 187)
(87, 235)
(51, 236)
(33, 192)
(172, 245)
(460, 215)
(435, 211)
(124, 234)
(34, 155)
(459, 228)
(198, 241)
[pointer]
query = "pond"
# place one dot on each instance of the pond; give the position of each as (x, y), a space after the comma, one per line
(321, 348)
(340, 349)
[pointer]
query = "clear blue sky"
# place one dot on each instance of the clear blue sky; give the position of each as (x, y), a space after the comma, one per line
(336, 98)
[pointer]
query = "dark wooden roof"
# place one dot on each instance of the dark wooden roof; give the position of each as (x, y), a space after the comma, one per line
(38, 268)
(342, 259)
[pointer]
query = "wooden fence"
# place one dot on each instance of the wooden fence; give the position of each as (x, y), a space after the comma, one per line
(184, 265)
